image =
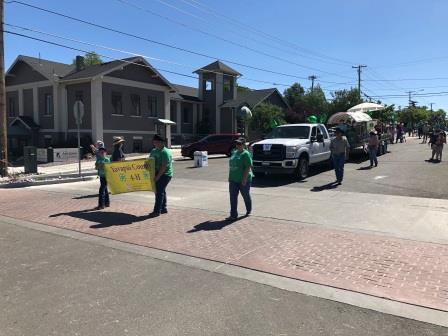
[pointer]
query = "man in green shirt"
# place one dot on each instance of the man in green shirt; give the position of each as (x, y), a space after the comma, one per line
(164, 172)
(240, 178)
(103, 194)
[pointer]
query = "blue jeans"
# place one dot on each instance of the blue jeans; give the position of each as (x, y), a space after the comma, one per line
(234, 189)
(372, 155)
(103, 194)
(161, 184)
(338, 163)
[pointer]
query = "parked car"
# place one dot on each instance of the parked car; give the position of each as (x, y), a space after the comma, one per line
(213, 144)
(291, 149)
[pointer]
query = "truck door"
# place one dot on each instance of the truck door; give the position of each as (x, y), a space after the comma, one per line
(326, 153)
(314, 146)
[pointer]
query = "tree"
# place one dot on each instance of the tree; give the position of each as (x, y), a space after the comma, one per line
(241, 88)
(315, 103)
(343, 100)
(264, 116)
(386, 115)
(294, 94)
(91, 58)
(414, 115)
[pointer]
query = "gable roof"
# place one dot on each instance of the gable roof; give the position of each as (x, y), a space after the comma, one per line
(26, 121)
(107, 67)
(252, 98)
(218, 66)
(46, 68)
(186, 93)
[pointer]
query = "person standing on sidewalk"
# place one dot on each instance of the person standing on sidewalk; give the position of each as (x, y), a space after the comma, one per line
(103, 194)
(339, 151)
(240, 178)
(164, 172)
(118, 154)
(372, 147)
(440, 142)
(99, 144)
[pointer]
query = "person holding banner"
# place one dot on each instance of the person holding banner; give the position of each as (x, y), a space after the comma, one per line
(163, 174)
(103, 194)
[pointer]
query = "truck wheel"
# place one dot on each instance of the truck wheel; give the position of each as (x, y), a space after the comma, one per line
(303, 168)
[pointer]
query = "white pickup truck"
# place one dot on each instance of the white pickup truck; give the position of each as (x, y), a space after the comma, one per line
(291, 149)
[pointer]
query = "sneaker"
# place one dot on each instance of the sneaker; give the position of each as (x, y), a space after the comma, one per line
(165, 211)
(107, 205)
(99, 207)
(231, 218)
(153, 215)
(247, 214)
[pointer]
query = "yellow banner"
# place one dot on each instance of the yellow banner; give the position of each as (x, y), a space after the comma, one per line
(131, 175)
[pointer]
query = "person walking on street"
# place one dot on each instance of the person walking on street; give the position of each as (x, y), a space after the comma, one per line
(99, 144)
(433, 136)
(339, 151)
(163, 174)
(240, 178)
(441, 140)
(425, 130)
(118, 154)
(372, 148)
(103, 194)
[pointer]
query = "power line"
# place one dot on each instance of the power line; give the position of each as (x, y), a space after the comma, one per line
(161, 43)
(222, 38)
(198, 5)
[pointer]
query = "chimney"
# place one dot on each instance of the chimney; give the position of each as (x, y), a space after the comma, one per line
(80, 63)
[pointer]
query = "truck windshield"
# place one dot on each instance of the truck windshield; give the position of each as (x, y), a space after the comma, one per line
(290, 132)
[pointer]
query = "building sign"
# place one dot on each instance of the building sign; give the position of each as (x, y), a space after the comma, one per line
(65, 154)
(129, 176)
(42, 155)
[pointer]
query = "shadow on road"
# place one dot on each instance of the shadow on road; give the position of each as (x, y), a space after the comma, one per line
(212, 225)
(328, 186)
(85, 196)
(365, 168)
(103, 219)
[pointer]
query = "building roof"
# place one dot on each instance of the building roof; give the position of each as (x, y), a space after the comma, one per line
(218, 66)
(250, 98)
(45, 67)
(186, 93)
(98, 69)
(28, 122)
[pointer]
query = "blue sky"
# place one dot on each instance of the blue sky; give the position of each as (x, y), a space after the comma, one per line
(396, 39)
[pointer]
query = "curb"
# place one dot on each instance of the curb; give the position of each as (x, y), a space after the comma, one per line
(40, 183)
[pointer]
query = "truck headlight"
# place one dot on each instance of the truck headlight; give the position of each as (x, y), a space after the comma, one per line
(291, 152)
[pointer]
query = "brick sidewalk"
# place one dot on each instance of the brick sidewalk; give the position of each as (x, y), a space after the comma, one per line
(397, 269)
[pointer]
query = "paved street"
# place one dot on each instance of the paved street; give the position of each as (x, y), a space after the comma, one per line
(367, 240)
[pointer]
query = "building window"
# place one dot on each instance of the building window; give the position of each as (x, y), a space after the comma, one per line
(79, 96)
(117, 103)
(227, 85)
(208, 85)
(48, 141)
(12, 107)
(152, 106)
(48, 104)
(135, 101)
(186, 116)
(137, 146)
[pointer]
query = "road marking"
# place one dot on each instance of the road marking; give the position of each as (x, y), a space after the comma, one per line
(379, 177)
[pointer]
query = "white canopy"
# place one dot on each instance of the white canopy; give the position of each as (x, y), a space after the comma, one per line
(343, 117)
(366, 107)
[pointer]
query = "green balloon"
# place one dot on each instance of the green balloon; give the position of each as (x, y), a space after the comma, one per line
(312, 119)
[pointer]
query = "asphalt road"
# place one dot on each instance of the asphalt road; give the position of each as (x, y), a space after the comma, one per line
(403, 171)
(53, 285)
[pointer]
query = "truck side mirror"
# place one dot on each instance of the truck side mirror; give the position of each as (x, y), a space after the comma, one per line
(320, 138)
(313, 138)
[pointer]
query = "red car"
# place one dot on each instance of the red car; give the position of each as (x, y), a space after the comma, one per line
(213, 144)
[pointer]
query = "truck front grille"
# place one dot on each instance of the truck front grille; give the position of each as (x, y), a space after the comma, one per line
(277, 153)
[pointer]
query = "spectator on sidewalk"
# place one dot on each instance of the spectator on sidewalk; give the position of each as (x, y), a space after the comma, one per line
(103, 194)
(118, 154)
(240, 178)
(339, 152)
(372, 148)
(163, 174)
(99, 144)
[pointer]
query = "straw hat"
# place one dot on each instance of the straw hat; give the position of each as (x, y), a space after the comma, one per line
(117, 140)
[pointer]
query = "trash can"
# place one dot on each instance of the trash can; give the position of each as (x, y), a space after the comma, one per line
(30, 159)
(200, 159)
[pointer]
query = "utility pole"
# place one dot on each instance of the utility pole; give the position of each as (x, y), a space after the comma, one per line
(312, 78)
(3, 117)
(359, 69)
(431, 106)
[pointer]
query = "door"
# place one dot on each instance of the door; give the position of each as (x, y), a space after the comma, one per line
(326, 153)
(314, 146)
